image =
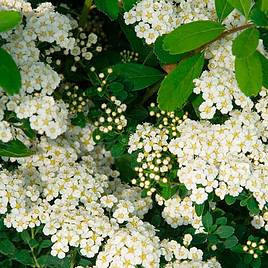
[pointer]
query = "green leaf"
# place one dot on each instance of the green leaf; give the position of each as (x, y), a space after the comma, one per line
(264, 5)
(26, 128)
(177, 87)
(168, 191)
(213, 239)
(163, 56)
(207, 221)
(253, 206)
(192, 36)
(51, 261)
(25, 236)
(256, 263)
(14, 148)
(243, 6)
(139, 75)
(229, 199)
(223, 9)
(225, 231)
(79, 120)
(24, 256)
(10, 79)
(264, 63)
(246, 43)
(7, 247)
(109, 7)
(128, 4)
(199, 239)
(259, 17)
(249, 74)
(230, 242)
(221, 221)
(117, 150)
(137, 45)
(45, 244)
(199, 209)
(9, 19)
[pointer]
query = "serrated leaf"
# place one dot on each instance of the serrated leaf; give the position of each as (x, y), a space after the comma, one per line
(230, 242)
(9, 19)
(14, 148)
(177, 87)
(223, 9)
(244, 6)
(109, 7)
(207, 221)
(140, 76)
(191, 36)
(249, 74)
(10, 79)
(225, 231)
(246, 43)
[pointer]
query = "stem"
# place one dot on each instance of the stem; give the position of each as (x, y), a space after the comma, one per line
(32, 250)
(73, 256)
(84, 13)
(224, 34)
(170, 67)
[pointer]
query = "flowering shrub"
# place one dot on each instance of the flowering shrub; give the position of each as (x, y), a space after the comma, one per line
(133, 133)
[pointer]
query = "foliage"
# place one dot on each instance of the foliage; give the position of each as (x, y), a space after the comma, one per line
(137, 125)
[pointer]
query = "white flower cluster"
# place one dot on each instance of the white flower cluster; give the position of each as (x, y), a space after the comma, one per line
(153, 18)
(19, 5)
(219, 89)
(218, 85)
(211, 263)
(49, 26)
(83, 48)
(179, 256)
(222, 158)
(5, 131)
(225, 159)
(46, 115)
(114, 118)
(178, 212)
(260, 221)
(134, 245)
(72, 198)
(39, 80)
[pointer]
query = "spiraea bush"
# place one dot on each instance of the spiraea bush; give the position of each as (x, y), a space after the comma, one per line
(134, 134)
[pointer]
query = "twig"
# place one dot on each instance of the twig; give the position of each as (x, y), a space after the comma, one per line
(170, 67)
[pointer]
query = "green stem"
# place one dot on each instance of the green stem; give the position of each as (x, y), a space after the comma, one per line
(84, 13)
(73, 256)
(32, 251)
